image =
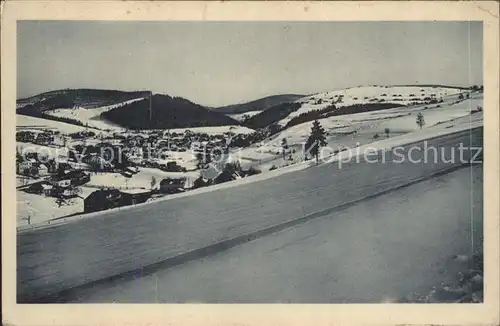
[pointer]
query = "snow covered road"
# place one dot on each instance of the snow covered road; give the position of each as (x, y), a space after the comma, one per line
(69, 255)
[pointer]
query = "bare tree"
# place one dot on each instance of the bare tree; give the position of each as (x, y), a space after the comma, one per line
(420, 120)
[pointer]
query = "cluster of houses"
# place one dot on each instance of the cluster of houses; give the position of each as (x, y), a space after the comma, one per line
(60, 185)
(65, 185)
(42, 137)
(179, 142)
(109, 198)
(104, 199)
(63, 179)
(32, 167)
(152, 150)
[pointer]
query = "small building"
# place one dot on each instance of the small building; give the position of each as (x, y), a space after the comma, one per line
(102, 199)
(44, 138)
(61, 182)
(172, 185)
(43, 170)
(77, 177)
(225, 176)
(134, 196)
(25, 136)
(47, 189)
(41, 188)
(69, 192)
(35, 188)
(172, 166)
(26, 165)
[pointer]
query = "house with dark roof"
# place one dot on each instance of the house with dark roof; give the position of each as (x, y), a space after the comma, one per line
(77, 177)
(172, 185)
(102, 199)
(25, 136)
(44, 138)
(68, 178)
(39, 188)
(27, 166)
(134, 196)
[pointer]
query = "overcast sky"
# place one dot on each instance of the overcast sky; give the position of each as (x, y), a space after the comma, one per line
(220, 63)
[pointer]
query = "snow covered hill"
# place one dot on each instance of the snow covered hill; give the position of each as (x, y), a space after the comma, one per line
(350, 130)
(398, 95)
(92, 116)
(261, 104)
(25, 122)
(243, 116)
(67, 98)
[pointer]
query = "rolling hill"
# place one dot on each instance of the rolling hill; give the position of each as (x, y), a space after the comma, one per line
(347, 101)
(271, 115)
(167, 112)
(258, 105)
(74, 106)
(376, 97)
(68, 98)
(118, 110)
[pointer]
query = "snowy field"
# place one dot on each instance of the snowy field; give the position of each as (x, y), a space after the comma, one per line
(370, 94)
(24, 122)
(91, 116)
(243, 116)
(42, 209)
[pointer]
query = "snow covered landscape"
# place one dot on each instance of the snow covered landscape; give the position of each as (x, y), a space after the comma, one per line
(219, 162)
(455, 107)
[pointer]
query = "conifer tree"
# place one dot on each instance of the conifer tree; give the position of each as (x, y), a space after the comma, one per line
(316, 140)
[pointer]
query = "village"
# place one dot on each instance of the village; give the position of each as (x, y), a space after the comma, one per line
(90, 171)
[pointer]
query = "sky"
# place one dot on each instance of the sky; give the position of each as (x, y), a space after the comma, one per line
(222, 63)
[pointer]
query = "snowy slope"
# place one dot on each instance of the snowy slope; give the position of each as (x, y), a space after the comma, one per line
(403, 95)
(243, 116)
(398, 120)
(91, 116)
(361, 128)
(25, 122)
